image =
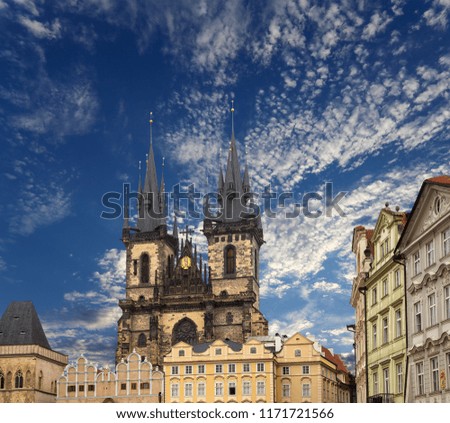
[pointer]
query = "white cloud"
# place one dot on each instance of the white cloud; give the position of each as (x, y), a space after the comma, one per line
(39, 206)
(39, 30)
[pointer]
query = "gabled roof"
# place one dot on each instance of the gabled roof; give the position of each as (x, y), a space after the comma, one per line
(20, 325)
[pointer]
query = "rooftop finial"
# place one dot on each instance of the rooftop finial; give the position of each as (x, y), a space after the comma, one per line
(232, 118)
(151, 125)
(140, 183)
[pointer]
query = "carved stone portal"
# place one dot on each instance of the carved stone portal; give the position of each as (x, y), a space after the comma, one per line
(185, 330)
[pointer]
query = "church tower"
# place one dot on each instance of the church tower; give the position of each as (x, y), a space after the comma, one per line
(234, 238)
(171, 295)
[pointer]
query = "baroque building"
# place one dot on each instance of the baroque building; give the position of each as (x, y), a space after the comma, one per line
(424, 249)
(29, 368)
(171, 295)
(219, 371)
(385, 312)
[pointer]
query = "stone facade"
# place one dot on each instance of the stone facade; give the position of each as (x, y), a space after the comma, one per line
(361, 247)
(171, 295)
(424, 249)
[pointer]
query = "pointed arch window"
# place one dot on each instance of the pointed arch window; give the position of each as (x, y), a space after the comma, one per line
(142, 340)
(230, 260)
(145, 268)
(18, 380)
(2, 380)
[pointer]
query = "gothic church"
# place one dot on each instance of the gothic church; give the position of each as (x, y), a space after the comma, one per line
(171, 295)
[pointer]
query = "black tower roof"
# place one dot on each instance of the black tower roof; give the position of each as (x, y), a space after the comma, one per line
(20, 325)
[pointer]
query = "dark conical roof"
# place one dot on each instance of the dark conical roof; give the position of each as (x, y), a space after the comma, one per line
(20, 325)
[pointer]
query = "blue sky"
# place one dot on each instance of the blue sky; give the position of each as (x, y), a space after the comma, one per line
(353, 92)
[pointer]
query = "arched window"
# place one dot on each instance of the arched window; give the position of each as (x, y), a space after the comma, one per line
(142, 340)
(41, 377)
(18, 380)
(2, 380)
(230, 260)
(145, 268)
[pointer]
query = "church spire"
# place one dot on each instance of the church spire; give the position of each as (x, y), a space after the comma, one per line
(151, 217)
(232, 191)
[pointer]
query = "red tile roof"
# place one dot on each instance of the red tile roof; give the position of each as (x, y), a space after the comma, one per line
(443, 179)
(335, 359)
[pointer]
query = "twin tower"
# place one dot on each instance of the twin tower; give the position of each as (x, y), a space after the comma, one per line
(171, 295)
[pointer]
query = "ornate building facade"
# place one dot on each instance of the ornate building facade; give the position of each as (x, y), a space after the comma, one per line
(386, 312)
(424, 248)
(134, 380)
(171, 295)
(362, 248)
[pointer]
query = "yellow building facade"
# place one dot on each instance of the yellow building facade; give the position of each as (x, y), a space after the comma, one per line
(220, 371)
(385, 324)
(256, 371)
(306, 372)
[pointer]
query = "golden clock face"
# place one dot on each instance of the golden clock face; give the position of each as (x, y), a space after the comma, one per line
(185, 262)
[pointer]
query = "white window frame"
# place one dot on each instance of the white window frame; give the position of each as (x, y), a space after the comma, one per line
(430, 253)
(374, 296)
(218, 389)
(399, 374)
(245, 367)
(420, 379)
(286, 370)
(416, 263)
(398, 322)
(306, 390)
(201, 369)
(286, 390)
(219, 368)
(260, 387)
(174, 370)
(374, 336)
(447, 301)
(232, 384)
(418, 324)
(385, 323)
(231, 368)
(246, 388)
(305, 370)
(188, 369)
(375, 382)
(260, 367)
(385, 285)
(397, 278)
(174, 390)
(188, 389)
(446, 242)
(201, 389)
(434, 374)
(432, 309)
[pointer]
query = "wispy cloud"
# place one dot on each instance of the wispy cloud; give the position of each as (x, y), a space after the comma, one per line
(85, 323)
(38, 206)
